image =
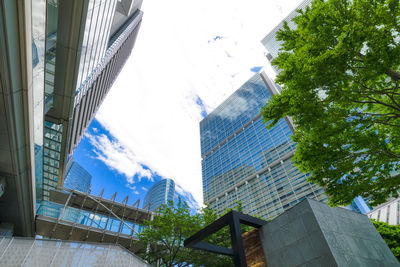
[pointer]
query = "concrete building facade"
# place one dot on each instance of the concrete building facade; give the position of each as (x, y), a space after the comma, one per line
(388, 212)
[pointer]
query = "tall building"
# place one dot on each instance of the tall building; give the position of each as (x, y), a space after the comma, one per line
(82, 61)
(58, 59)
(160, 193)
(244, 161)
(77, 178)
(269, 41)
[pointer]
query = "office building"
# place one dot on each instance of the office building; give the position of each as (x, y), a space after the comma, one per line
(160, 193)
(243, 161)
(388, 212)
(82, 62)
(58, 59)
(77, 178)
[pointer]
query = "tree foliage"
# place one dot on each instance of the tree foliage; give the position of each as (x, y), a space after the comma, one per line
(391, 235)
(164, 236)
(340, 84)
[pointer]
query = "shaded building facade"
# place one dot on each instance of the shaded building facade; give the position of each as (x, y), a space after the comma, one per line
(58, 60)
(244, 161)
(160, 193)
(82, 60)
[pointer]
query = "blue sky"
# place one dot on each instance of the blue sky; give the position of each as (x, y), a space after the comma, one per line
(104, 177)
(87, 155)
(148, 125)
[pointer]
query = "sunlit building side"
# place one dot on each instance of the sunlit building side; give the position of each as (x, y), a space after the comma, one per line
(243, 161)
(77, 178)
(160, 193)
(388, 212)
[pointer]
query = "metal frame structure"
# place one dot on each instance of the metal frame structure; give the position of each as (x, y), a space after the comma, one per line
(233, 219)
(97, 205)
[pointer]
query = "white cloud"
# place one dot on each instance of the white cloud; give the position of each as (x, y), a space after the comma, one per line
(144, 188)
(151, 109)
(118, 158)
(187, 197)
(131, 186)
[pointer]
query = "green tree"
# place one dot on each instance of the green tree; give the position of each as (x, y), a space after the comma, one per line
(340, 85)
(391, 235)
(164, 236)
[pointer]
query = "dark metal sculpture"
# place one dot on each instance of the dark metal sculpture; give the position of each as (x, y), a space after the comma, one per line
(233, 219)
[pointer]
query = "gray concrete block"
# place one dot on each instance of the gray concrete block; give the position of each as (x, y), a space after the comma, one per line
(341, 260)
(310, 223)
(327, 260)
(314, 234)
(306, 249)
(297, 229)
(293, 256)
(313, 263)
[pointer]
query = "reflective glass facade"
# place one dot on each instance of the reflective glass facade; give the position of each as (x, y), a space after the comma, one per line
(38, 74)
(95, 39)
(77, 177)
(51, 157)
(100, 56)
(51, 40)
(271, 44)
(87, 218)
(243, 161)
(160, 193)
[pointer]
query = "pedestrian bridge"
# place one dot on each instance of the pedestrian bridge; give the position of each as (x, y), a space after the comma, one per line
(77, 216)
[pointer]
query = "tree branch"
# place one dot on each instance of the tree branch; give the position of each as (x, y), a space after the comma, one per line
(389, 124)
(382, 103)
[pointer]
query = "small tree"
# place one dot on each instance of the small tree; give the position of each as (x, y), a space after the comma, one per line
(391, 235)
(164, 236)
(340, 78)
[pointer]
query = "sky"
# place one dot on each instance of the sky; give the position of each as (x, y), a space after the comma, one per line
(189, 56)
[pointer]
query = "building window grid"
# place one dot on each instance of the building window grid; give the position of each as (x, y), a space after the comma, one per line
(51, 157)
(251, 139)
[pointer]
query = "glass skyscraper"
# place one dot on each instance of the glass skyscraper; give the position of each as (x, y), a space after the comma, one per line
(244, 161)
(58, 60)
(77, 177)
(160, 193)
(81, 64)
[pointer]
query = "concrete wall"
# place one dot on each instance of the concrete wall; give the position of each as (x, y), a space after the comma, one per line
(314, 234)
